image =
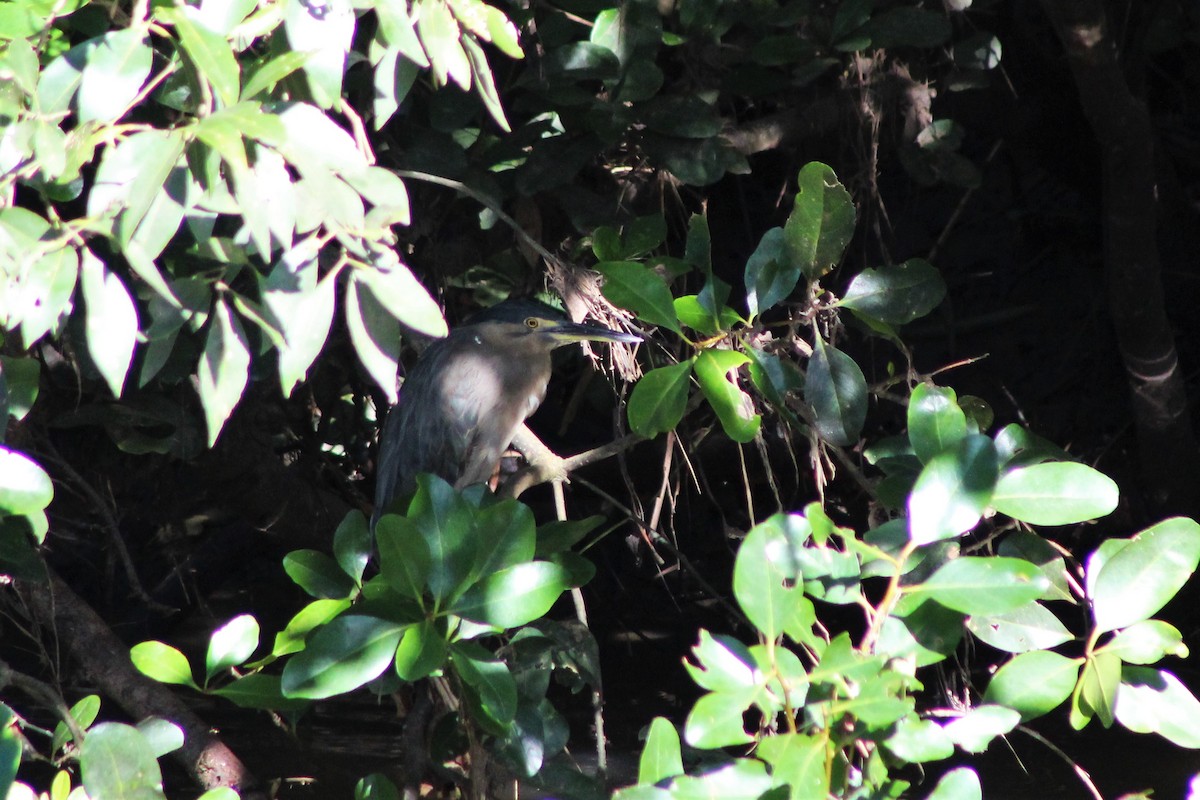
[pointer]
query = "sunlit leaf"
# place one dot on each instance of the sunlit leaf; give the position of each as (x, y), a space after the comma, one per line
(162, 663)
(1155, 701)
(111, 321)
(514, 596)
(1144, 574)
(375, 334)
(984, 585)
(896, 295)
(1034, 683)
(231, 644)
(640, 290)
(657, 402)
(935, 420)
(341, 656)
(116, 761)
(735, 409)
(661, 757)
(953, 490)
(224, 368)
(115, 67)
(325, 31)
(822, 221)
(1056, 493)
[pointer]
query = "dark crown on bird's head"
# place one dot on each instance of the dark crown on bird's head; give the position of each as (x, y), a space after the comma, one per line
(517, 310)
(537, 317)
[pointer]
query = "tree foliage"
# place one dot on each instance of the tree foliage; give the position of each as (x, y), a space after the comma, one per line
(221, 224)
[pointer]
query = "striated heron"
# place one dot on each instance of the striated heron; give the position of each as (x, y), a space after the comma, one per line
(463, 402)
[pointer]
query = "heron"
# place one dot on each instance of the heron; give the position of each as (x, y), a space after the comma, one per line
(465, 399)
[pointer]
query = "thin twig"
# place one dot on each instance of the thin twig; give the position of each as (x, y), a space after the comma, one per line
(1053, 748)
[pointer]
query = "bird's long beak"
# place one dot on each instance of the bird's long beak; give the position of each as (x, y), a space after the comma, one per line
(590, 332)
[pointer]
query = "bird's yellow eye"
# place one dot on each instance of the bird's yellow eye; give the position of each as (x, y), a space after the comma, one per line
(532, 322)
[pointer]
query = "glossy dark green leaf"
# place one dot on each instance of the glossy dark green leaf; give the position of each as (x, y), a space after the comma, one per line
(821, 223)
(352, 545)
(896, 295)
(770, 273)
(403, 555)
(1139, 579)
(1018, 447)
(935, 421)
(422, 650)
(224, 369)
(312, 616)
(325, 32)
(514, 596)
(117, 762)
(446, 521)
(488, 683)
(505, 535)
(1056, 493)
(259, 690)
(111, 321)
(980, 585)
(837, 391)
(659, 399)
(1034, 683)
(953, 490)
(317, 574)
(231, 644)
(734, 407)
(341, 656)
(1155, 701)
(640, 290)
(163, 663)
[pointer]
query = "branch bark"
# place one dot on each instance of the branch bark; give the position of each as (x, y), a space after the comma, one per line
(104, 660)
(1166, 440)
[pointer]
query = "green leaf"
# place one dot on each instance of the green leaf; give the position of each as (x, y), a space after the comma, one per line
(975, 729)
(231, 644)
(302, 308)
(10, 750)
(896, 295)
(837, 391)
(341, 656)
(485, 84)
(316, 144)
(445, 520)
(1139, 579)
(764, 581)
(111, 321)
(1155, 701)
(1030, 627)
(162, 736)
(208, 50)
(821, 223)
(983, 585)
(1018, 447)
(224, 369)
(44, 296)
(352, 545)
(1098, 685)
(1057, 493)
(952, 491)
(163, 663)
(375, 334)
(85, 712)
(399, 291)
(116, 761)
(115, 67)
(488, 684)
(514, 596)
(505, 535)
(1147, 642)
(797, 760)
(317, 574)
(376, 787)
(312, 616)
(259, 690)
(324, 32)
(743, 779)
(25, 488)
(422, 650)
(957, 784)
(440, 36)
(1034, 683)
(770, 274)
(661, 757)
(935, 421)
(404, 558)
(270, 72)
(716, 720)
(657, 402)
(640, 290)
(735, 409)
(919, 740)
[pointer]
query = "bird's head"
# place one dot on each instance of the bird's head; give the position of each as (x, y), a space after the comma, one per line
(531, 324)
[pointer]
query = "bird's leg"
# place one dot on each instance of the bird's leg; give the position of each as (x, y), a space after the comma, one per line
(544, 464)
